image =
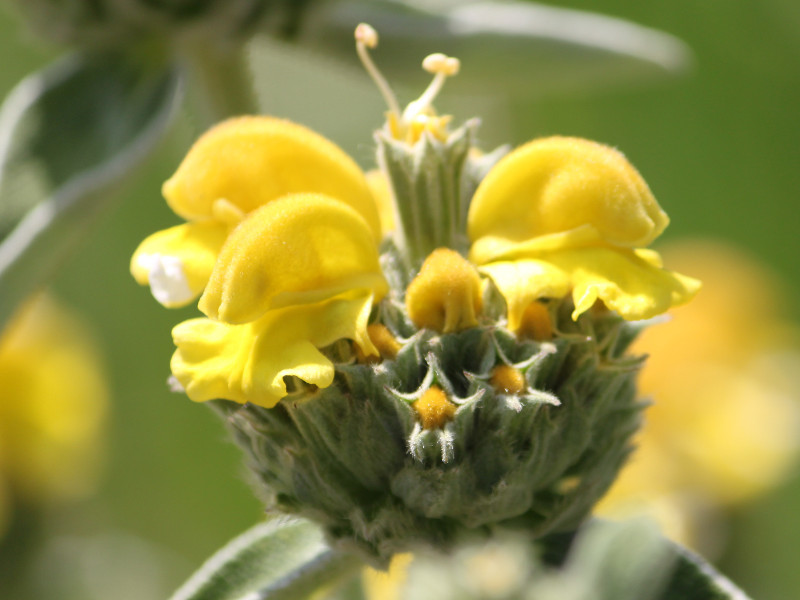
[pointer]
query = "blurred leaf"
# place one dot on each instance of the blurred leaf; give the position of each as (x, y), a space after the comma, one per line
(520, 48)
(281, 559)
(694, 579)
(67, 134)
(629, 560)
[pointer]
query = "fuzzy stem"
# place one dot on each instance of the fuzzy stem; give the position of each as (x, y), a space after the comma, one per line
(222, 81)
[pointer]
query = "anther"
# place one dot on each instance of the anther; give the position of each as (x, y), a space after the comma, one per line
(441, 63)
(442, 67)
(366, 35)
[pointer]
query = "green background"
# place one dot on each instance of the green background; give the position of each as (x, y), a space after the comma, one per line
(718, 146)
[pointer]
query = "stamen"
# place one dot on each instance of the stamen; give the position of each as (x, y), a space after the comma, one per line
(442, 67)
(440, 63)
(367, 37)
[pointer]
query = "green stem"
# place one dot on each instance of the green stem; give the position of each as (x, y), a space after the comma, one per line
(327, 569)
(222, 81)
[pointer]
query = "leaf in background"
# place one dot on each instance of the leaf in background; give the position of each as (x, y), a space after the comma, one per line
(519, 48)
(67, 134)
(629, 560)
(281, 559)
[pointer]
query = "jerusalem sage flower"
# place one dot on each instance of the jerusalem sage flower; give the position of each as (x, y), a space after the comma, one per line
(462, 370)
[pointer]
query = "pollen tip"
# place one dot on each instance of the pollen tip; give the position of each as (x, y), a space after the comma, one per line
(366, 34)
(440, 63)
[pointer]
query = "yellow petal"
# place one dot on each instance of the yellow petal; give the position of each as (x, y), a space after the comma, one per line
(524, 281)
(298, 249)
(492, 248)
(382, 192)
(555, 185)
(387, 585)
(250, 161)
(623, 280)
(247, 363)
(178, 261)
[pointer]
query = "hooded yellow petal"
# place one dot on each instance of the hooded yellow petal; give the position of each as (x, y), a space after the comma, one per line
(178, 261)
(625, 281)
(298, 249)
(250, 161)
(555, 185)
(247, 363)
(524, 281)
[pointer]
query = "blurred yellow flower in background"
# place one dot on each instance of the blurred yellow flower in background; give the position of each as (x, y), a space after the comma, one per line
(53, 401)
(723, 378)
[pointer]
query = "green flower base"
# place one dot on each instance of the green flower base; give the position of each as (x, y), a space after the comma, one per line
(355, 458)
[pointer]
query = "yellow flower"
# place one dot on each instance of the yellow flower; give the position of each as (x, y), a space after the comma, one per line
(566, 215)
(296, 275)
(235, 168)
(52, 406)
(725, 423)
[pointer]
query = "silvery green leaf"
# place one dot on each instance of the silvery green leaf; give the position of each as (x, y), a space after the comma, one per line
(67, 134)
(628, 560)
(693, 578)
(603, 561)
(280, 559)
(520, 48)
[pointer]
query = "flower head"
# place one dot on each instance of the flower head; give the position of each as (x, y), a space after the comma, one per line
(447, 378)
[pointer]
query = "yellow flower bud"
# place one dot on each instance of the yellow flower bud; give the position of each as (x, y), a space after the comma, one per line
(508, 379)
(446, 294)
(434, 409)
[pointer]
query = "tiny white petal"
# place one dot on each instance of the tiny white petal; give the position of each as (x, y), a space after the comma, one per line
(174, 385)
